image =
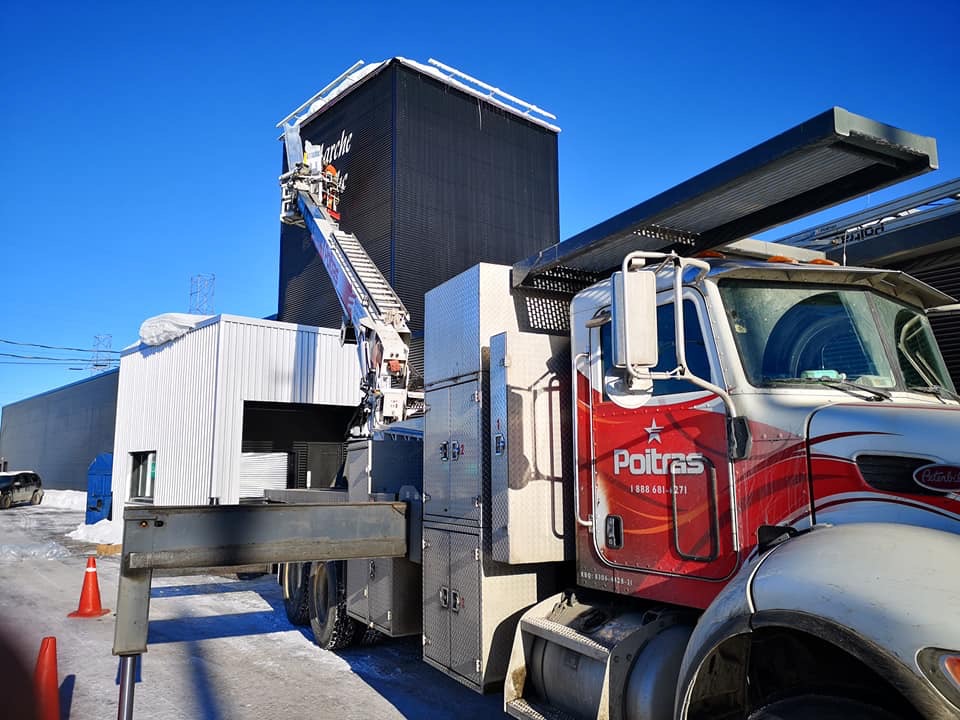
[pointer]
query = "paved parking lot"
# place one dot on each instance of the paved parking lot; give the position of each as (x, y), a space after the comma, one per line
(218, 647)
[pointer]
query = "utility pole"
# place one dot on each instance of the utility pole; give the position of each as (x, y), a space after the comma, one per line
(102, 356)
(201, 294)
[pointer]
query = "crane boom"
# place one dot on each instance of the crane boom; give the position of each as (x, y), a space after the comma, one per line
(373, 309)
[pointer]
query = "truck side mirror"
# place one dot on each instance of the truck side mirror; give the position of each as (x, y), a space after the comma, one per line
(634, 315)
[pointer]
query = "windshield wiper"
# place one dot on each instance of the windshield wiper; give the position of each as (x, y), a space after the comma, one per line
(873, 394)
(938, 390)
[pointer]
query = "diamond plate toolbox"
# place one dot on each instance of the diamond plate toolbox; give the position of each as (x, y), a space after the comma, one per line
(530, 459)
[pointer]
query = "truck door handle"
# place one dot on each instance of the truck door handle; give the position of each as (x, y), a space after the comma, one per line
(457, 601)
(443, 451)
(444, 597)
(457, 448)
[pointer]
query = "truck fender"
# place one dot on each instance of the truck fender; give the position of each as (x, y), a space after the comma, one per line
(727, 617)
(881, 592)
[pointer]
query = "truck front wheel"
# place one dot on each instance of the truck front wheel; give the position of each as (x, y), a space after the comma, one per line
(332, 627)
(820, 707)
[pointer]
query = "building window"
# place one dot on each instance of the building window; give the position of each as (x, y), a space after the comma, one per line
(143, 475)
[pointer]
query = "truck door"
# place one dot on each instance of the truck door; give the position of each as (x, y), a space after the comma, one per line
(661, 476)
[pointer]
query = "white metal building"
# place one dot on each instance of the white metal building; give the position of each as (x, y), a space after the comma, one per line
(217, 407)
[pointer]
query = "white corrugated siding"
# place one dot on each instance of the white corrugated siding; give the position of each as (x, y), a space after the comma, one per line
(164, 403)
(274, 362)
(185, 399)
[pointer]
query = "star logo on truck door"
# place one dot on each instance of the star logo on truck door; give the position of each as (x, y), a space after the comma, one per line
(653, 432)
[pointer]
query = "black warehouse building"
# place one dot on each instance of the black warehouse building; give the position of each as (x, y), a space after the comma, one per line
(59, 433)
(435, 177)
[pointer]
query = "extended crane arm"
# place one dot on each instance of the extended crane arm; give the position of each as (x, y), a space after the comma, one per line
(310, 196)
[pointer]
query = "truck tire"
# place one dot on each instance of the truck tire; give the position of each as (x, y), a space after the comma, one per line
(295, 579)
(5, 502)
(820, 707)
(371, 636)
(332, 627)
(37, 497)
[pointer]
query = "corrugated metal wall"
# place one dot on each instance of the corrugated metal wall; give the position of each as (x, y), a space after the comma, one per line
(474, 183)
(185, 399)
(263, 361)
(59, 433)
(165, 403)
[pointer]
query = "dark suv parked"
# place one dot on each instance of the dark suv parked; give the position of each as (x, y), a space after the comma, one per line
(18, 487)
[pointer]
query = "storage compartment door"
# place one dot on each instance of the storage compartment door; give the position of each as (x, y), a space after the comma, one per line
(466, 451)
(465, 606)
(436, 453)
(530, 458)
(381, 578)
(436, 596)
(358, 603)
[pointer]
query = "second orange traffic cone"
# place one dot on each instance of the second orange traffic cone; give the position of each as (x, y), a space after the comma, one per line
(90, 594)
(46, 688)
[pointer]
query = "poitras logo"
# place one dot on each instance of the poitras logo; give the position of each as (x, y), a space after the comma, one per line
(653, 462)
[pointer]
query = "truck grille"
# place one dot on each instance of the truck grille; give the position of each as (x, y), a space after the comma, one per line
(892, 473)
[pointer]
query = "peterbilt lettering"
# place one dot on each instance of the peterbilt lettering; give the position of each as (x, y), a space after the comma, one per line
(939, 478)
(652, 462)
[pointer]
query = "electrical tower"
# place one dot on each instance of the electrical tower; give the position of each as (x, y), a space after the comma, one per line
(102, 357)
(201, 294)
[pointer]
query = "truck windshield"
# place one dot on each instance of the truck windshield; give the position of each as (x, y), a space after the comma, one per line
(801, 333)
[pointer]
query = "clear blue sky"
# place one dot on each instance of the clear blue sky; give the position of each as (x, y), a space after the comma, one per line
(137, 140)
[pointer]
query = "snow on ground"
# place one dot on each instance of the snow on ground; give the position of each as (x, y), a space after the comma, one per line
(219, 647)
(32, 551)
(105, 532)
(65, 499)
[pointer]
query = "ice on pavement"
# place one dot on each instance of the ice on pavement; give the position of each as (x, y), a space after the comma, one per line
(33, 551)
(105, 532)
(65, 499)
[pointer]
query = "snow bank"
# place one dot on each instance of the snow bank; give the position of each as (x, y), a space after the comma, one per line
(65, 499)
(43, 551)
(105, 532)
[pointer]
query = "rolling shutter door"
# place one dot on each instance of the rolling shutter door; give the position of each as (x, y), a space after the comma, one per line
(260, 471)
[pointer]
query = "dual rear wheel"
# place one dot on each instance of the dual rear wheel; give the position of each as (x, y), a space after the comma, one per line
(315, 594)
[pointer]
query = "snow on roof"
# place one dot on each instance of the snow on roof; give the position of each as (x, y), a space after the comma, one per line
(359, 73)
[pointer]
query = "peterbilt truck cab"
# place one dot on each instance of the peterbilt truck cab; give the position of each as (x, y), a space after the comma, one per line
(768, 475)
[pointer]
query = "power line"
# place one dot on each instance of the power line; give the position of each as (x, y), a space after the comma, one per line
(54, 363)
(54, 347)
(45, 357)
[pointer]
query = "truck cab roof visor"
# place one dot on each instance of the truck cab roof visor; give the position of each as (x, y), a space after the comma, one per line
(831, 158)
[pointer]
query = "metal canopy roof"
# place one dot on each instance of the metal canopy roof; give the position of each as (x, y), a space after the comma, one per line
(922, 223)
(831, 158)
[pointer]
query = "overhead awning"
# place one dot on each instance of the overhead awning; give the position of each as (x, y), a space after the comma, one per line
(831, 158)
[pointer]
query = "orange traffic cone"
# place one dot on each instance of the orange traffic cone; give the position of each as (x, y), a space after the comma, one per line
(46, 686)
(90, 595)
